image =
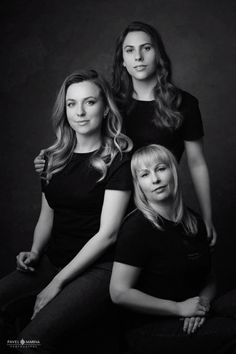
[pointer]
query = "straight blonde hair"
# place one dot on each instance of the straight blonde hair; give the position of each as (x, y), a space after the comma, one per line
(149, 155)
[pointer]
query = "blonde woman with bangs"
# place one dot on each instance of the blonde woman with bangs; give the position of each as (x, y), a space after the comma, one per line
(86, 187)
(162, 272)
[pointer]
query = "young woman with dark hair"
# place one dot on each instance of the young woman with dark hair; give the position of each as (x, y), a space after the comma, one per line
(155, 111)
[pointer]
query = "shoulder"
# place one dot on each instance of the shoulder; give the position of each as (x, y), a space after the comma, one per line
(120, 160)
(136, 222)
(134, 240)
(119, 173)
(188, 100)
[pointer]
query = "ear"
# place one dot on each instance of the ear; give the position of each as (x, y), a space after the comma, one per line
(123, 64)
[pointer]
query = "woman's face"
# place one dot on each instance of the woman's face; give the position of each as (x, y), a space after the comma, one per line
(139, 55)
(84, 108)
(156, 181)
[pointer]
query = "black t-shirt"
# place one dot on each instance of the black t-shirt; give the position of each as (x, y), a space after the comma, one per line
(173, 265)
(76, 197)
(140, 127)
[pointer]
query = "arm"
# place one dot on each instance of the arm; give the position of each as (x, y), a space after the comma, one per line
(42, 233)
(123, 292)
(209, 291)
(200, 176)
(113, 210)
(191, 324)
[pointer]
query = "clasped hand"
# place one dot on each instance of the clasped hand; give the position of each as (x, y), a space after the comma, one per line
(194, 311)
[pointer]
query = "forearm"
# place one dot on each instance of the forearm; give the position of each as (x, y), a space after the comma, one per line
(42, 231)
(41, 237)
(90, 253)
(141, 302)
(201, 182)
(209, 291)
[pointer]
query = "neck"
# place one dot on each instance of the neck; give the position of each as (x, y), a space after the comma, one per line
(165, 209)
(88, 144)
(143, 89)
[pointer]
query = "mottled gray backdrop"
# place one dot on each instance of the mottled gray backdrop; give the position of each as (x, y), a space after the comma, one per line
(43, 41)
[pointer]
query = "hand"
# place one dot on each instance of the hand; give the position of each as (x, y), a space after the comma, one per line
(192, 307)
(205, 302)
(25, 261)
(39, 162)
(211, 233)
(191, 324)
(45, 296)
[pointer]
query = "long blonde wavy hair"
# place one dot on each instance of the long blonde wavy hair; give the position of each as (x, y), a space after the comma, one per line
(113, 141)
(148, 156)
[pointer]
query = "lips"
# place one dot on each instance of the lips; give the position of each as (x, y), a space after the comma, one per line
(159, 189)
(82, 122)
(140, 67)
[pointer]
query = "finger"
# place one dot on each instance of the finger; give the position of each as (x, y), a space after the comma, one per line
(202, 308)
(195, 324)
(201, 321)
(186, 322)
(41, 152)
(22, 269)
(20, 264)
(36, 309)
(190, 325)
(213, 240)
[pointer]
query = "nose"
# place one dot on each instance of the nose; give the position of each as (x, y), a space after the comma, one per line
(155, 177)
(80, 110)
(138, 55)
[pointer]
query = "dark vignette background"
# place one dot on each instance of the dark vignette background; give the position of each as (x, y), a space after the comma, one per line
(43, 41)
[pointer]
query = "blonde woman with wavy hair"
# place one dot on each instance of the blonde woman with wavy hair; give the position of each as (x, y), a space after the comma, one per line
(85, 191)
(162, 273)
(113, 141)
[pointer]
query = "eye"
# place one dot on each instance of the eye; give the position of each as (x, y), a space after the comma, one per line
(129, 50)
(70, 104)
(90, 102)
(147, 48)
(161, 168)
(144, 174)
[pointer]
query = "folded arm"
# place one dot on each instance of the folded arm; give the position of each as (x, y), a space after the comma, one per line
(123, 292)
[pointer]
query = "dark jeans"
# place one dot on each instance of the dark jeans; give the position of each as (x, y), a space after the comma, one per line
(81, 305)
(164, 335)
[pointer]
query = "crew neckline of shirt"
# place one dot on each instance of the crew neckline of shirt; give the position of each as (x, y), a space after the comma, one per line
(84, 153)
(142, 101)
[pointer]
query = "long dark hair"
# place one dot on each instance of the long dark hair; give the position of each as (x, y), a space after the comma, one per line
(167, 95)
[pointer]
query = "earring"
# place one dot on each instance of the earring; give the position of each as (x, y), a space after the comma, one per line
(106, 112)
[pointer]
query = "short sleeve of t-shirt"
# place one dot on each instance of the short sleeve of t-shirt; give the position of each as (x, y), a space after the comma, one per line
(192, 125)
(132, 247)
(119, 174)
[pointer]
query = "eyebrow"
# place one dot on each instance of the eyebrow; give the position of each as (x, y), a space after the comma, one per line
(84, 99)
(131, 45)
